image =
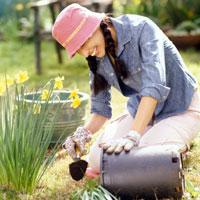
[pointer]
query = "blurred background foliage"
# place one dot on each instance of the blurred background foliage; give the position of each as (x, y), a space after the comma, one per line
(162, 11)
(181, 15)
(165, 11)
(13, 8)
(17, 23)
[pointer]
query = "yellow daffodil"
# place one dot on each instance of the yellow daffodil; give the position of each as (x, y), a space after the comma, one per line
(9, 81)
(76, 102)
(190, 13)
(22, 76)
(59, 82)
(36, 108)
(73, 94)
(2, 88)
(45, 95)
(137, 2)
(19, 6)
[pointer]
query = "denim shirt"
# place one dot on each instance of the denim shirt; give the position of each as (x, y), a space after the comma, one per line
(155, 69)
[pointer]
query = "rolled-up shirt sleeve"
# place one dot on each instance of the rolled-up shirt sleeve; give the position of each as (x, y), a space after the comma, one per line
(153, 74)
(101, 103)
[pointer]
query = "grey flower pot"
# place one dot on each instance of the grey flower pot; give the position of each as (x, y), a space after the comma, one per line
(67, 118)
(153, 172)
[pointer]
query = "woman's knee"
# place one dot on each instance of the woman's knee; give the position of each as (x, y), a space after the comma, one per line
(95, 150)
(94, 157)
(161, 133)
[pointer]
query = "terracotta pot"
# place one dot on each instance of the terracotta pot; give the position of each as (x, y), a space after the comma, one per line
(185, 41)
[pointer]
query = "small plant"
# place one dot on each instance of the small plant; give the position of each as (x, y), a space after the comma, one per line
(197, 22)
(187, 26)
(192, 191)
(93, 191)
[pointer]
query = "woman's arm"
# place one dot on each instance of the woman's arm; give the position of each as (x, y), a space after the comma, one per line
(143, 116)
(144, 113)
(95, 123)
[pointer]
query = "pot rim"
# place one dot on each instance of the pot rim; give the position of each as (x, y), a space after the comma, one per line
(84, 97)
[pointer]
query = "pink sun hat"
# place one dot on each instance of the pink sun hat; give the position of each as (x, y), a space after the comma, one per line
(74, 25)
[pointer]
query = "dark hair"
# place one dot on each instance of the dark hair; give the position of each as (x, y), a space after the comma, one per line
(119, 67)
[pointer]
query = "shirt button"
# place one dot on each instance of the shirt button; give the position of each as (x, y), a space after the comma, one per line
(111, 74)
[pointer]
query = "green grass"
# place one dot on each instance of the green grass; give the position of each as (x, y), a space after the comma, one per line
(56, 183)
(17, 56)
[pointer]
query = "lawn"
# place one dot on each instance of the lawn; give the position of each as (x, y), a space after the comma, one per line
(56, 184)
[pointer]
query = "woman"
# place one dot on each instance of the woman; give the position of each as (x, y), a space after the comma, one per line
(132, 54)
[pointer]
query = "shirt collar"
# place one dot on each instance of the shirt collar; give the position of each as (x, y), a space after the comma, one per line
(122, 27)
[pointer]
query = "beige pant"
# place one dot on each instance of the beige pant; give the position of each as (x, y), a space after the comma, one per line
(179, 130)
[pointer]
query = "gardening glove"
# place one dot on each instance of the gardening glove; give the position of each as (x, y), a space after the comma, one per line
(126, 143)
(77, 142)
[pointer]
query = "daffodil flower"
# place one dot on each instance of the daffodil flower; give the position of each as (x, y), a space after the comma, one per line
(9, 81)
(73, 94)
(22, 76)
(76, 102)
(2, 88)
(59, 82)
(19, 7)
(36, 108)
(45, 95)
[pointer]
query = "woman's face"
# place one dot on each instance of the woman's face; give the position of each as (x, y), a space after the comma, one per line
(94, 46)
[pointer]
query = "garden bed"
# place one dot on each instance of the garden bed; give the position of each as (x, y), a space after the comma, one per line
(185, 41)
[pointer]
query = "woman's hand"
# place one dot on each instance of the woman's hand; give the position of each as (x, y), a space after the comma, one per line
(77, 142)
(126, 143)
